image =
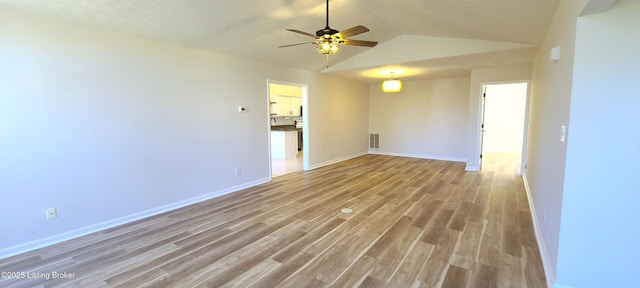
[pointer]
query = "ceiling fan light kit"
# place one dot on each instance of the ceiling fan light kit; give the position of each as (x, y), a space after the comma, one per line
(329, 45)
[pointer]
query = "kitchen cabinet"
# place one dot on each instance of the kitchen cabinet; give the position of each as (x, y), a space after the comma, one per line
(284, 144)
(273, 108)
(289, 105)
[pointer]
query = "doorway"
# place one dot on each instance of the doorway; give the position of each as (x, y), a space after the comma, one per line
(288, 127)
(503, 130)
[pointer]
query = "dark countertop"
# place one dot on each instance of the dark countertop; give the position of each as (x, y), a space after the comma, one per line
(285, 128)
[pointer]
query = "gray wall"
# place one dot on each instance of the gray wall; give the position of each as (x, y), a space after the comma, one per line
(108, 128)
(600, 227)
(427, 119)
(549, 108)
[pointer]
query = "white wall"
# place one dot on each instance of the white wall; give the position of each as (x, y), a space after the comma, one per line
(478, 78)
(107, 127)
(427, 119)
(600, 228)
(504, 114)
(548, 109)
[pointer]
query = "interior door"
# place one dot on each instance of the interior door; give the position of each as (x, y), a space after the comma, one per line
(482, 128)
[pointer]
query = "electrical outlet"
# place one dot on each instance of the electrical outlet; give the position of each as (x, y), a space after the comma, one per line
(51, 213)
(238, 171)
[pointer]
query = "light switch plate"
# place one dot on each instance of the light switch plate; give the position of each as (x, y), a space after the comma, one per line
(563, 133)
(554, 54)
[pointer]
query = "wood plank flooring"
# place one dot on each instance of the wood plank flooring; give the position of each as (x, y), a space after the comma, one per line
(415, 223)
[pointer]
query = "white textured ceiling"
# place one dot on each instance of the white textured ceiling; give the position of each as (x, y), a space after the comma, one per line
(405, 29)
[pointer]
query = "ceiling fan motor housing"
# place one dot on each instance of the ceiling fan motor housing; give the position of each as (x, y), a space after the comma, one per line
(326, 32)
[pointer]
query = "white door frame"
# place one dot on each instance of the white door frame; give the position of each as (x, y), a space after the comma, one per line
(523, 160)
(305, 122)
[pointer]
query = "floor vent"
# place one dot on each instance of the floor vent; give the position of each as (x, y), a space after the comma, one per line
(374, 141)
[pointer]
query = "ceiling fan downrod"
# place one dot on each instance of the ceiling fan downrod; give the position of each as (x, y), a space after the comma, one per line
(327, 27)
(327, 32)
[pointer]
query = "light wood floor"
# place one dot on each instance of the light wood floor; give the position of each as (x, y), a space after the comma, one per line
(415, 223)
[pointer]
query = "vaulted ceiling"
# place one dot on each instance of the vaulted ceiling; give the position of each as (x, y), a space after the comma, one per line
(426, 38)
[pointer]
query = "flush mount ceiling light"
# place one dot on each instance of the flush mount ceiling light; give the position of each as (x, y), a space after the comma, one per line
(391, 85)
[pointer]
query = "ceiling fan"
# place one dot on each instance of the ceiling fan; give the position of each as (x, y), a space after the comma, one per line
(328, 40)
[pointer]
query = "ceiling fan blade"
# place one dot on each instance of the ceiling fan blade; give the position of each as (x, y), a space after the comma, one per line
(301, 32)
(360, 43)
(283, 46)
(353, 31)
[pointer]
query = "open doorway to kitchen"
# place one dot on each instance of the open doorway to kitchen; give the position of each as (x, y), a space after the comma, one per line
(288, 127)
(503, 130)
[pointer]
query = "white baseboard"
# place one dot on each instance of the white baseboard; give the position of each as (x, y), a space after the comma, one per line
(546, 262)
(40, 243)
(471, 168)
(316, 166)
(561, 286)
(432, 157)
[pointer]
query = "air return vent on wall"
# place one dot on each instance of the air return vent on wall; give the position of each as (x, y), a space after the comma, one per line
(374, 141)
